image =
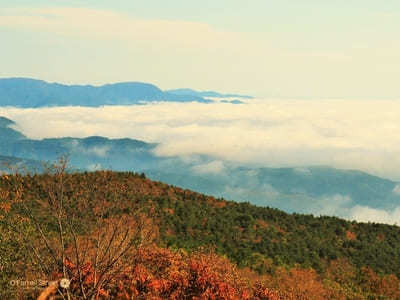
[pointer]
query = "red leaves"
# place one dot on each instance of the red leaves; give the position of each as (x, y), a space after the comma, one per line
(141, 274)
(68, 264)
(159, 273)
(351, 236)
(260, 292)
(165, 274)
(159, 285)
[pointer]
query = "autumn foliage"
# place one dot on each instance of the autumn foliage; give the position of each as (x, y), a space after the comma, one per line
(123, 236)
(158, 273)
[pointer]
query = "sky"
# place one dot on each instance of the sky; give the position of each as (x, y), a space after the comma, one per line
(347, 49)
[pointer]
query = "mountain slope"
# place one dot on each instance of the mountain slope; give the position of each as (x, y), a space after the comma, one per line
(249, 235)
(7, 133)
(279, 255)
(10, 164)
(309, 190)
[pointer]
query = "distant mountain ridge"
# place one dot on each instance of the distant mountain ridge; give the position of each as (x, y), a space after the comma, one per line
(33, 93)
(26, 92)
(190, 92)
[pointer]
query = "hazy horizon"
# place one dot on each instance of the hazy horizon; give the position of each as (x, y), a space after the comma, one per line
(313, 49)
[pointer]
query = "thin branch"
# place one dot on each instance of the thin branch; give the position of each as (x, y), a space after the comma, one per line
(42, 235)
(78, 262)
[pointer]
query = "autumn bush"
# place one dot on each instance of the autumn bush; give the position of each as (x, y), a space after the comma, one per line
(158, 273)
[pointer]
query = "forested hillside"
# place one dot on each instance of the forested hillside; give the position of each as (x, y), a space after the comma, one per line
(272, 250)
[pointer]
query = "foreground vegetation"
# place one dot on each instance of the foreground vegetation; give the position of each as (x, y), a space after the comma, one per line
(121, 235)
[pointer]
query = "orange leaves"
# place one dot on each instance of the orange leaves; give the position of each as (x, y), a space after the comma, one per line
(112, 211)
(4, 194)
(69, 264)
(169, 211)
(388, 285)
(164, 274)
(6, 207)
(216, 203)
(88, 273)
(295, 283)
(341, 271)
(103, 293)
(351, 236)
(141, 274)
(159, 286)
(261, 292)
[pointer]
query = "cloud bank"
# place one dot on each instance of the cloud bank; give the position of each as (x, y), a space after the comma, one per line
(368, 214)
(349, 134)
(214, 167)
(343, 206)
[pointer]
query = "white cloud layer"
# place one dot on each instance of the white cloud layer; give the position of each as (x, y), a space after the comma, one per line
(368, 214)
(214, 167)
(348, 134)
(396, 190)
(99, 151)
(343, 206)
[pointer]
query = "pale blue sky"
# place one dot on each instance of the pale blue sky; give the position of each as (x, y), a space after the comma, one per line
(287, 48)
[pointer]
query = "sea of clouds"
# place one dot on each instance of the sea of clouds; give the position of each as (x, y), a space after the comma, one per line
(348, 134)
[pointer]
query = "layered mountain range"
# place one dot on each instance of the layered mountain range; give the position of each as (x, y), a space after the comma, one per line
(27, 92)
(308, 189)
